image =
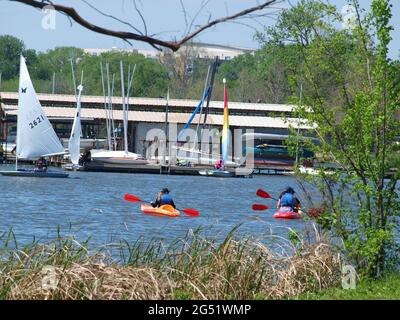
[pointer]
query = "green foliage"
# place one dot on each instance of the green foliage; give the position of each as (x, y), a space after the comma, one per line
(151, 78)
(388, 287)
(262, 77)
(10, 50)
(295, 237)
(351, 96)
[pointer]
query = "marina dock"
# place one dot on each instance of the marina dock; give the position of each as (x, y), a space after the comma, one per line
(155, 169)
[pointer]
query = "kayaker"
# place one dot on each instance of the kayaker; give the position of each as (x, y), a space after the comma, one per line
(287, 199)
(163, 197)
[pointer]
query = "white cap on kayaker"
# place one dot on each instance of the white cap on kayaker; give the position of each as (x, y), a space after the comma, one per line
(224, 80)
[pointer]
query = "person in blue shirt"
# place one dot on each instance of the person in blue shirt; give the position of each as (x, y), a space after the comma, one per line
(163, 198)
(288, 200)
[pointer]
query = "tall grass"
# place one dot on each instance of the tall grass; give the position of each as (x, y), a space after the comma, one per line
(190, 268)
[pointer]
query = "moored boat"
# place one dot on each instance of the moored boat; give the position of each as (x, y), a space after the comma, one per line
(217, 173)
(36, 137)
(34, 173)
(117, 157)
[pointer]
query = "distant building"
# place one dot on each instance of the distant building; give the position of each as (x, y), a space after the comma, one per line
(195, 50)
(209, 51)
(150, 54)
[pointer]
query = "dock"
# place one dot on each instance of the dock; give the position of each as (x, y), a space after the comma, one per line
(155, 169)
(273, 170)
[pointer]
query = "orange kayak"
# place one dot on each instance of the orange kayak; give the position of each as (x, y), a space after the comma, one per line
(165, 210)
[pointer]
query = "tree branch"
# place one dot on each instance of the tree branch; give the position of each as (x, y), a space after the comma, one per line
(173, 45)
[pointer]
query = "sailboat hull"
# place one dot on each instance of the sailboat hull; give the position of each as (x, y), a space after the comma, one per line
(34, 174)
(72, 167)
(217, 173)
(117, 157)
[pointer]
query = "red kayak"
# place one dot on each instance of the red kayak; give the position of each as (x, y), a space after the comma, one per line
(287, 213)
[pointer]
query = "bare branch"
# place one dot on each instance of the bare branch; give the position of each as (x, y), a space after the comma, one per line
(141, 17)
(112, 17)
(173, 45)
(224, 19)
(184, 15)
(203, 5)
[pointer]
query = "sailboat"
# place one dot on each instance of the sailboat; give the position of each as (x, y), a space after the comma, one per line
(74, 145)
(35, 135)
(225, 144)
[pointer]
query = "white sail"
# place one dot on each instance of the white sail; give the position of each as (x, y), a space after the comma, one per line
(75, 139)
(35, 135)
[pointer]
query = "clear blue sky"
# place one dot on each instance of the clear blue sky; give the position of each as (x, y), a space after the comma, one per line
(164, 16)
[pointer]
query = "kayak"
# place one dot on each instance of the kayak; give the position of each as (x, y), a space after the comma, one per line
(165, 210)
(287, 213)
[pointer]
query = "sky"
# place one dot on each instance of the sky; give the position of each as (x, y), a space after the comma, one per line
(165, 18)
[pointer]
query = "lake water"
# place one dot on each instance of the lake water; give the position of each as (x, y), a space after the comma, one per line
(91, 205)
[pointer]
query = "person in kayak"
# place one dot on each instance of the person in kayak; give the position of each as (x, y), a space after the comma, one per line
(288, 200)
(163, 197)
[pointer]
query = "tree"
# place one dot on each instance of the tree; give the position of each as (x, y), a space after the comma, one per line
(352, 97)
(10, 50)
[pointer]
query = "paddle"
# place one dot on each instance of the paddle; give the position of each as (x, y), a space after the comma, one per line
(133, 198)
(263, 194)
(259, 207)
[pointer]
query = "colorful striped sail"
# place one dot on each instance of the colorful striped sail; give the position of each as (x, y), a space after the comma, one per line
(225, 128)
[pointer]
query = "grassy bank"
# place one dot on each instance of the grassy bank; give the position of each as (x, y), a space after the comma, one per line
(190, 268)
(385, 288)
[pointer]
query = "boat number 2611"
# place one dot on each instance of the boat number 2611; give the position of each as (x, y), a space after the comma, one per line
(35, 122)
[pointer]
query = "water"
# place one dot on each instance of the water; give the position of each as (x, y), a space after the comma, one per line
(90, 204)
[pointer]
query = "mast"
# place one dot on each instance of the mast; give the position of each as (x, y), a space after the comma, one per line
(105, 107)
(201, 111)
(112, 113)
(214, 71)
(130, 80)
(124, 107)
(225, 128)
(110, 109)
(81, 85)
(166, 129)
(167, 133)
(54, 83)
(73, 77)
